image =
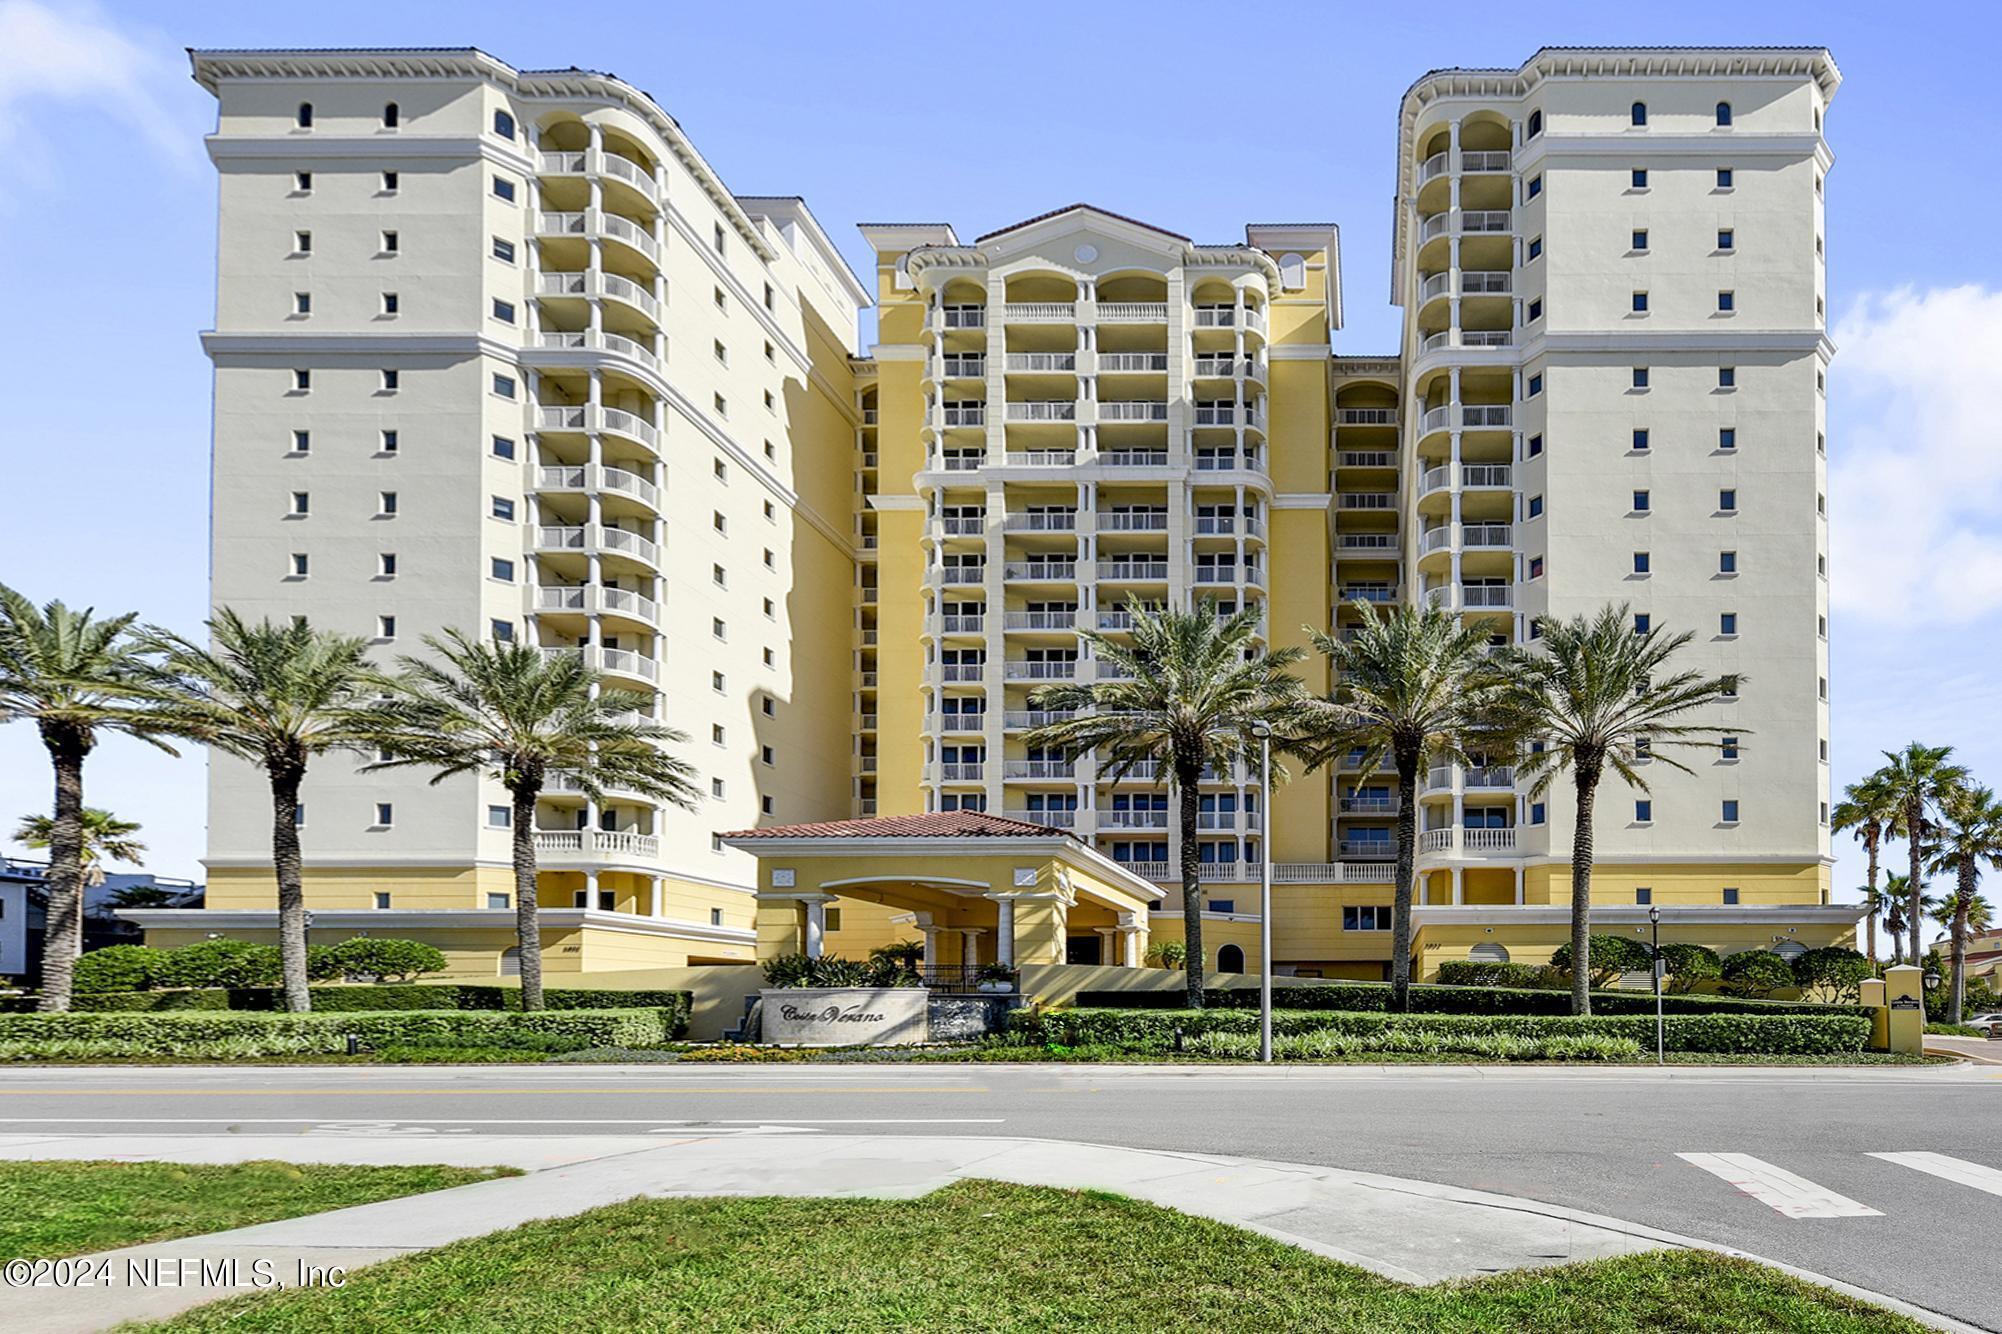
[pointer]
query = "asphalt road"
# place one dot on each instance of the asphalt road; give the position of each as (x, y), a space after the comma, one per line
(1605, 1141)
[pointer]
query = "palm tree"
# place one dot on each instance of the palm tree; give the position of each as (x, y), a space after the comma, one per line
(1411, 685)
(1897, 900)
(275, 695)
(1969, 834)
(1876, 903)
(1917, 779)
(513, 714)
(1198, 692)
(106, 838)
(77, 677)
(1600, 694)
(1868, 807)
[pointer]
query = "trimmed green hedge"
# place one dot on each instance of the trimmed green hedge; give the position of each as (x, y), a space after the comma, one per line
(1325, 1044)
(236, 1035)
(350, 999)
(1523, 976)
(1434, 999)
(1154, 1030)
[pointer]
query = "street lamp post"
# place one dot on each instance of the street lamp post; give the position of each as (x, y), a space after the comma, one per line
(1654, 920)
(1263, 731)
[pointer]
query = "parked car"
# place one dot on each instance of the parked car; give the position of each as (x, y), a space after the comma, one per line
(1989, 1023)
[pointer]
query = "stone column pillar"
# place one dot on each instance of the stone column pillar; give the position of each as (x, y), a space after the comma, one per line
(969, 946)
(816, 926)
(654, 904)
(1004, 932)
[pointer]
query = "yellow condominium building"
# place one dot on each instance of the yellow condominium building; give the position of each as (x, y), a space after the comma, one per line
(497, 350)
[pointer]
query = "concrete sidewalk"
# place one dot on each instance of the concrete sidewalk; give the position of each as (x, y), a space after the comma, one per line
(1411, 1231)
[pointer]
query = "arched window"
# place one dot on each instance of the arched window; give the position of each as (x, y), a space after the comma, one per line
(510, 961)
(1638, 115)
(1723, 113)
(1535, 125)
(1488, 952)
(503, 125)
(1230, 959)
(1293, 272)
(1789, 950)
(305, 118)
(390, 116)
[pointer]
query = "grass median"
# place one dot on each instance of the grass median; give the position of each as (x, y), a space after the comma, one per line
(50, 1209)
(984, 1255)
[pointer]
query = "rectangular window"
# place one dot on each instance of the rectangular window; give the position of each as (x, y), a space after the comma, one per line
(504, 386)
(722, 301)
(1643, 896)
(503, 125)
(499, 817)
(1724, 178)
(1639, 239)
(302, 381)
(385, 564)
(1534, 509)
(388, 442)
(716, 788)
(718, 576)
(302, 442)
(391, 303)
(1640, 440)
(722, 352)
(381, 899)
(716, 734)
(718, 522)
(503, 250)
(1727, 301)
(1640, 502)
(718, 628)
(721, 404)
(302, 303)
(1535, 187)
(767, 754)
(391, 243)
(765, 703)
(1727, 239)
(302, 502)
(302, 182)
(770, 297)
(503, 447)
(1643, 812)
(1639, 303)
(503, 508)
(502, 570)
(386, 503)
(1727, 623)
(1366, 917)
(1730, 812)
(392, 380)
(1727, 500)
(1727, 437)
(385, 814)
(1535, 249)
(716, 682)
(385, 627)
(301, 565)
(1535, 385)
(719, 238)
(302, 243)
(497, 901)
(1642, 622)
(1535, 445)
(1536, 567)
(1538, 812)
(1727, 562)
(1727, 748)
(1642, 562)
(504, 189)
(1730, 895)
(1640, 377)
(1535, 311)
(504, 311)
(719, 470)
(1639, 178)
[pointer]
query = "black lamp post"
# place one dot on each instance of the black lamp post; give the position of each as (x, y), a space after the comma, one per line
(1660, 1044)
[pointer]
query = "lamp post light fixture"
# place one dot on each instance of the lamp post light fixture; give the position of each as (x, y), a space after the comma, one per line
(1263, 731)
(1660, 1045)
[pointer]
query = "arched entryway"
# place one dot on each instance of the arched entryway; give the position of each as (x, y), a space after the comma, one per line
(1230, 959)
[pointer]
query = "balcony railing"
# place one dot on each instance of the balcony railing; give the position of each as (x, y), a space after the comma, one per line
(1491, 775)
(1368, 593)
(1132, 312)
(1049, 571)
(1366, 500)
(1055, 819)
(958, 575)
(1130, 363)
(965, 771)
(1041, 620)
(1049, 410)
(1042, 362)
(1486, 535)
(964, 317)
(1038, 769)
(595, 843)
(1133, 819)
(1366, 416)
(1017, 670)
(1366, 542)
(963, 525)
(963, 414)
(962, 671)
(964, 721)
(1039, 312)
(632, 173)
(1020, 720)
(1132, 571)
(1132, 521)
(630, 292)
(1040, 458)
(1132, 410)
(953, 623)
(1370, 805)
(1224, 368)
(1486, 475)
(629, 424)
(1487, 840)
(561, 164)
(1134, 458)
(966, 366)
(1492, 159)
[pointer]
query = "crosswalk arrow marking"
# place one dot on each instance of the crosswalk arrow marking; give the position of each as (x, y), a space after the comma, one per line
(1950, 1169)
(1790, 1195)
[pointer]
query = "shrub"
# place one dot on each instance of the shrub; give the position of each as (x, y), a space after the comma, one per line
(387, 997)
(1168, 953)
(1531, 976)
(1325, 1044)
(117, 968)
(371, 959)
(209, 998)
(1831, 972)
(1610, 956)
(1956, 1031)
(234, 1035)
(220, 963)
(798, 970)
(1687, 965)
(1154, 1030)
(1434, 999)
(1756, 973)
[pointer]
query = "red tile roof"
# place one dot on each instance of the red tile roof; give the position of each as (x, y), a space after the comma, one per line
(940, 824)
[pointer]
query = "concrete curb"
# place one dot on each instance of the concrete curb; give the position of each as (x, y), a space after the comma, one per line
(1412, 1231)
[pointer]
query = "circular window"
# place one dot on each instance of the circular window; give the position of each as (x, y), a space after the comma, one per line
(1085, 254)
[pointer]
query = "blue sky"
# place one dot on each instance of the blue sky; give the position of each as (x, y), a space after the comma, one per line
(108, 268)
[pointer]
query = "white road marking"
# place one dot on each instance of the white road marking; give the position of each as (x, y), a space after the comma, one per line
(1793, 1196)
(504, 1121)
(1956, 1170)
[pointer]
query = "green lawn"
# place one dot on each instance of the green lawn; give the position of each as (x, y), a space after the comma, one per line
(50, 1209)
(987, 1256)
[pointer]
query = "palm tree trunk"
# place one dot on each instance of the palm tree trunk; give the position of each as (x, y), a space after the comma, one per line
(1401, 896)
(62, 937)
(1870, 838)
(527, 922)
(1915, 814)
(1192, 888)
(287, 774)
(1587, 779)
(1963, 899)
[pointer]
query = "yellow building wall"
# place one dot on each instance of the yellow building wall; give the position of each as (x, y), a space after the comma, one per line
(348, 887)
(1757, 883)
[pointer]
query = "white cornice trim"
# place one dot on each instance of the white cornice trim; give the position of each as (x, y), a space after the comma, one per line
(1302, 500)
(1626, 146)
(412, 919)
(1678, 914)
(1299, 351)
(883, 502)
(320, 147)
(1061, 846)
(452, 863)
(1695, 341)
(898, 352)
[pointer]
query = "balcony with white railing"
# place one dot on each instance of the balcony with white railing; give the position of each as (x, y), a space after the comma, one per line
(1128, 363)
(962, 672)
(1134, 458)
(1039, 312)
(1435, 539)
(560, 846)
(1369, 806)
(625, 602)
(1038, 769)
(564, 284)
(1132, 312)
(1374, 593)
(630, 233)
(586, 340)
(566, 417)
(1367, 847)
(952, 415)
(1488, 777)
(963, 525)
(1021, 720)
(1486, 476)
(625, 662)
(1486, 596)
(1216, 414)
(1488, 840)
(1435, 840)
(1220, 820)
(1450, 338)
(1043, 410)
(631, 484)
(963, 366)
(1040, 620)
(1132, 410)
(1229, 317)
(1116, 620)
(1484, 160)
(1216, 525)
(1385, 542)
(562, 224)
(1017, 670)
(629, 424)
(963, 771)
(1041, 521)
(1057, 819)
(962, 317)
(1041, 572)
(1366, 500)
(1133, 572)
(1485, 220)
(961, 623)
(575, 477)
(1432, 168)
(630, 172)
(1486, 282)
(1486, 535)
(1132, 521)
(1041, 363)
(555, 537)
(1040, 458)
(1141, 771)
(630, 292)
(1132, 819)
(958, 724)
(1366, 416)
(629, 544)
(955, 576)
(561, 164)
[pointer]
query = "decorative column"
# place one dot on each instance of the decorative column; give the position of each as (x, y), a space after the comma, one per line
(1004, 932)
(969, 946)
(816, 926)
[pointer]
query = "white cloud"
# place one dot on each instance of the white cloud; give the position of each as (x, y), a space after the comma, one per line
(54, 59)
(1915, 477)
